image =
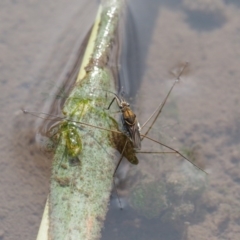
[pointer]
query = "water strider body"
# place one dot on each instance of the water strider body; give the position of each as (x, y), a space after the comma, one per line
(129, 120)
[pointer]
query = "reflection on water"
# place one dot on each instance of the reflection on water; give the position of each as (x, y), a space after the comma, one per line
(205, 21)
(164, 197)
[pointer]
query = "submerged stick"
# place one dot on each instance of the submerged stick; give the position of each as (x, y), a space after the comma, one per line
(83, 166)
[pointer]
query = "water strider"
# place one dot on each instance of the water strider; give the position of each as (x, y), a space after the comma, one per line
(129, 120)
(68, 133)
(130, 123)
(133, 128)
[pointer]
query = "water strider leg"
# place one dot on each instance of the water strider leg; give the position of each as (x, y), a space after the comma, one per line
(175, 151)
(159, 109)
(119, 161)
(65, 152)
(111, 103)
(118, 132)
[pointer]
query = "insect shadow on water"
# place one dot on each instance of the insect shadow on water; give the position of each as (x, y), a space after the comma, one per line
(69, 130)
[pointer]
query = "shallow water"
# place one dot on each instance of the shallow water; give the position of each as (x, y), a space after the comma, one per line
(37, 39)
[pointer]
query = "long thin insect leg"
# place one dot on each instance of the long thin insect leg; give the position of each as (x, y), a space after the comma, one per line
(101, 128)
(143, 136)
(159, 110)
(68, 119)
(36, 114)
(120, 158)
(177, 152)
(111, 103)
(154, 152)
(65, 151)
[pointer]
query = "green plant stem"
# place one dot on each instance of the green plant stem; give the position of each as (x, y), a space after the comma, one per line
(82, 172)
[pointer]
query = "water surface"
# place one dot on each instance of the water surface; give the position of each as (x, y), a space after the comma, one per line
(38, 39)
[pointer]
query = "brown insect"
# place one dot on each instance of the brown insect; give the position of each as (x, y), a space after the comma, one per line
(129, 121)
(132, 125)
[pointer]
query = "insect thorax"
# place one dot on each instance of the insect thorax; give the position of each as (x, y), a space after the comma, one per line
(128, 116)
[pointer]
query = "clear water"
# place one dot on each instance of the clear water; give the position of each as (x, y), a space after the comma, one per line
(37, 39)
